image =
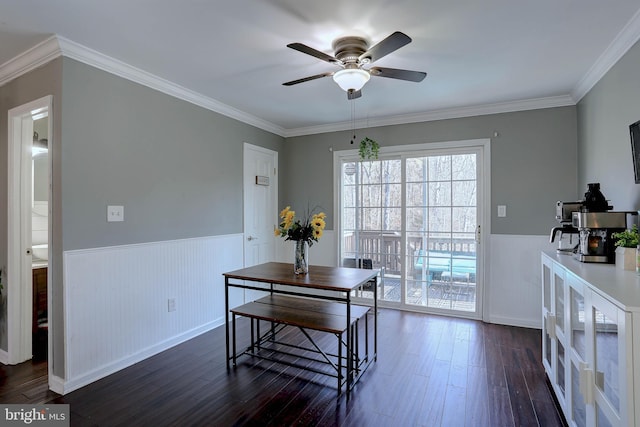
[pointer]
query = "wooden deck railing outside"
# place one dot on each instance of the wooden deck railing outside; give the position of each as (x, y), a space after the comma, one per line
(384, 248)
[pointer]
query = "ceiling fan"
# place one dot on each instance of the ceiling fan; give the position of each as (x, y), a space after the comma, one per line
(352, 54)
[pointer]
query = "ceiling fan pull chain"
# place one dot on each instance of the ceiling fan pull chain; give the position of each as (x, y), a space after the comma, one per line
(353, 121)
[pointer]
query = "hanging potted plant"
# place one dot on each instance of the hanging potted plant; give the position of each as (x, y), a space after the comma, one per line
(368, 149)
(626, 242)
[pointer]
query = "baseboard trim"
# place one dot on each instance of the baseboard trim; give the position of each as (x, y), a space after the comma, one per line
(56, 384)
(69, 385)
(509, 321)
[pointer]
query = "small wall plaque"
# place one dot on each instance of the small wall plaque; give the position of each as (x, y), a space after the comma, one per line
(262, 180)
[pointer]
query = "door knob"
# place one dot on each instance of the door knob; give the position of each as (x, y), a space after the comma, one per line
(250, 238)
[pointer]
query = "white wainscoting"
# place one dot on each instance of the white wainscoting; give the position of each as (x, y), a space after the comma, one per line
(116, 301)
(513, 293)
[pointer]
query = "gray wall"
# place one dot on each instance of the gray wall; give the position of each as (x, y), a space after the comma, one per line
(604, 116)
(533, 162)
(46, 80)
(175, 167)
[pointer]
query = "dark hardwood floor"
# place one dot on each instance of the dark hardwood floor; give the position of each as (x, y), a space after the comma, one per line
(431, 371)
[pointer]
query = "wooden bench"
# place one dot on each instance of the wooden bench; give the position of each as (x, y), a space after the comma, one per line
(305, 314)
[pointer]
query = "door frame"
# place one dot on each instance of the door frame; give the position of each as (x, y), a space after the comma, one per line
(18, 274)
(484, 207)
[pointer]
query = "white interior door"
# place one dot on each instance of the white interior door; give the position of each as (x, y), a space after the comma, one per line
(260, 206)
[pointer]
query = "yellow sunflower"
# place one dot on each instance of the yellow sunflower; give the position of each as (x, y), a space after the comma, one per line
(318, 223)
(284, 211)
(317, 233)
(288, 218)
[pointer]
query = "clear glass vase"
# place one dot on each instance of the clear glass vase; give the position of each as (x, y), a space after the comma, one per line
(301, 257)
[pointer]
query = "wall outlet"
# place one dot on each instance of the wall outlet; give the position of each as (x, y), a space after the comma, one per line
(502, 211)
(171, 304)
(115, 213)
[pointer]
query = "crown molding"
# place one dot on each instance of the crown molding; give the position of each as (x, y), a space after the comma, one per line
(624, 41)
(114, 66)
(56, 46)
(450, 113)
(29, 60)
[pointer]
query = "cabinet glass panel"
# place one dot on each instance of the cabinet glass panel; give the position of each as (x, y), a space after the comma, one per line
(607, 369)
(560, 369)
(559, 302)
(578, 407)
(547, 343)
(546, 280)
(577, 323)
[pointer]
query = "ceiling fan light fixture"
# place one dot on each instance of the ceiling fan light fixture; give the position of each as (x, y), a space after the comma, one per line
(351, 78)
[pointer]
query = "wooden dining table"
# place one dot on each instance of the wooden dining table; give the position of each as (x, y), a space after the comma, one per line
(331, 285)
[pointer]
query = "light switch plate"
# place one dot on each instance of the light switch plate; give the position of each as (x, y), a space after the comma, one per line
(115, 213)
(502, 211)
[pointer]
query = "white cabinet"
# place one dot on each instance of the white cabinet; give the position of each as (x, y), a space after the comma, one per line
(553, 308)
(588, 340)
(577, 369)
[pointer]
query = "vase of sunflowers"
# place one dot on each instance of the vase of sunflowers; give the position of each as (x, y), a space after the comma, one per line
(303, 232)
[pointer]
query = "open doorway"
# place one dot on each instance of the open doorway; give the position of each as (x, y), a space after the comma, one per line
(29, 233)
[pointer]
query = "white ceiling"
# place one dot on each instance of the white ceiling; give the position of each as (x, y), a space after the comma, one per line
(480, 56)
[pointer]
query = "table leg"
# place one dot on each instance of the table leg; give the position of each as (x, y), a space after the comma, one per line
(356, 356)
(349, 349)
(366, 337)
(339, 363)
(252, 336)
(375, 320)
(226, 315)
(233, 322)
(259, 335)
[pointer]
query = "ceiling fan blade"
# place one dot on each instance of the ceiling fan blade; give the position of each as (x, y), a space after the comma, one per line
(306, 79)
(353, 94)
(394, 73)
(394, 42)
(313, 52)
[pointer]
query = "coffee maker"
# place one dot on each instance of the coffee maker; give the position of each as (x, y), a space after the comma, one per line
(566, 234)
(596, 229)
(596, 225)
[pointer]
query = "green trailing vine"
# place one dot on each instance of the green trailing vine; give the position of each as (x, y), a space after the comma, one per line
(368, 149)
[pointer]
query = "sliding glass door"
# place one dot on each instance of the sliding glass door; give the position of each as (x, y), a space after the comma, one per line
(416, 216)
(372, 218)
